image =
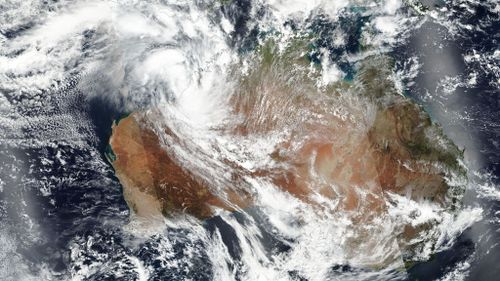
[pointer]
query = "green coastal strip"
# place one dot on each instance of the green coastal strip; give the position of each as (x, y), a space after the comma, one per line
(108, 151)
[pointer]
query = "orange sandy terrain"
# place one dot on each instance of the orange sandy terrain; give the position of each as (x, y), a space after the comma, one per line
(343, 161)
(379, 143)
(154, 183)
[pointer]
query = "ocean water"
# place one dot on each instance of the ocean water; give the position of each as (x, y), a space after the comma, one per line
(68, 69)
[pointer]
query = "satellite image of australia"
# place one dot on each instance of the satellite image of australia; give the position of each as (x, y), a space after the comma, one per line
(250, 140)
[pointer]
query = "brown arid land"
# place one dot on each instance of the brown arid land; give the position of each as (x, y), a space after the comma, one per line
(380, 142)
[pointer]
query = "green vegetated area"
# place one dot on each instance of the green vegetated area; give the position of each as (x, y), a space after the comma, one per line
(108, 152)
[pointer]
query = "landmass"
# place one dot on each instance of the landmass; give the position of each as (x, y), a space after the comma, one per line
(352, 142)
